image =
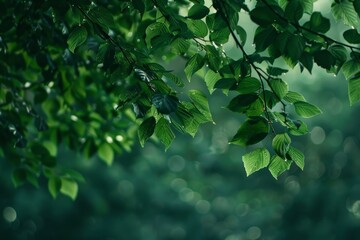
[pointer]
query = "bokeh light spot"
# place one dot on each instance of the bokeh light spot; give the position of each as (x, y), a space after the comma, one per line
(318, 135)
(9, 214)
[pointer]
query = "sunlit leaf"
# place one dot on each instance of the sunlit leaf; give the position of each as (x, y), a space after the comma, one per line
(344, 10)
(281, 144)
(256, 160)
(164, 133)
(106, 153)
(278, 165)
(297, 156)
(201, 103)
(69, 187)
(306, 110)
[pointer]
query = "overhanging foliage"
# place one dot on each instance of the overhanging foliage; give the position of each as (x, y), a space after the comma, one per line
(90, 75)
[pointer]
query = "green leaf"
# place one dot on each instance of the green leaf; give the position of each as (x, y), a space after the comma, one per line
(278, 166)
(164, 133)
(264, 37)
(354, 89)
(350, 68)
(198, 28)
(180, 45)
(297, 156)
(154, 30)
(275, 71)
(306, 110)
(201, 103)
(299, 128)
(226, 83)
(281, 144)
(198, 11)
(291, 45)
(344, 10)
(77, 37)
(106, 153)
(213, 58)
(294, 11)
(293, 97)
(306, 61)
(319, 23)
(324, 59)
(256, 160)
(102, 16)
(165, 104)
(146, 130)
(279, 87)
(211, 78)
(242, 102)
(220, 36)
(263, 16)
(69, 187)
(248, 85)
(352, 36)
(339, 52)
(54, 185)
(194, 64)
(242, 34)
(252, 131)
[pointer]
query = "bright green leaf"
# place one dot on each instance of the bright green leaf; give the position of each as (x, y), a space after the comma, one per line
(344, 10)
(164, 133)
(54, 185)
(69, 187)
(297, 156)
(201, 103)
(306, 110)
(256, 160)
(278, 166)
(248, 85)
(279, 87)
(292, 97)
(350, 68)
(211, 78)
(193, 65)
(106, 153)
(198, 28)
(281, 144)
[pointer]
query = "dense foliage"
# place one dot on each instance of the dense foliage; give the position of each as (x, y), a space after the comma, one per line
(95, 76)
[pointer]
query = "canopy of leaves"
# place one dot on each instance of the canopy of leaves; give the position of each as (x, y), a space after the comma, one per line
(91, 76)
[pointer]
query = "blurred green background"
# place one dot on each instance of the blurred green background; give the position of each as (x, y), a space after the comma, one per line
(198, 189)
